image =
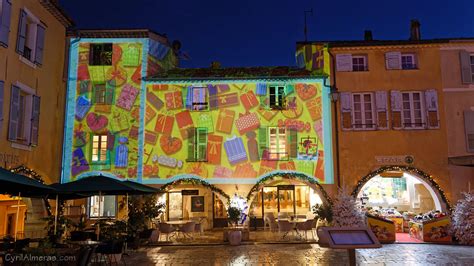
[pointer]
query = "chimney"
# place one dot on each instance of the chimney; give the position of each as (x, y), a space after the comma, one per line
(415, 34)
(368, 35)
(215, 65)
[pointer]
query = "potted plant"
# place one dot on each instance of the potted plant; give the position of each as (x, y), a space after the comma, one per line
(141, 211)
(235, 236)
(323, 213)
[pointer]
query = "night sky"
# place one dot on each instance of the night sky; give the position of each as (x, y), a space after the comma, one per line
(264, 32)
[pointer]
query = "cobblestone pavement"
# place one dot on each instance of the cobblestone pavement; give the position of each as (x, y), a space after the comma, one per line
(301, 254)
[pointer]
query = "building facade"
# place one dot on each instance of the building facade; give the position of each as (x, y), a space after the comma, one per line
(457, 59)
(32, 98)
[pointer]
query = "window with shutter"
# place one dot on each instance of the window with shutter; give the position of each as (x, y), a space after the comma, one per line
(263, 143)
(35, 116)
(277, 143)
(14, 113)
(393, 60)
(344, 62)
(277, 97)
(363, 111)
(197, 145)
(39, 44)
(30, 38)
(359, 63)
(1, 104)
(396, 105)
(431, 100)
(382, 110)
(466, 67)
(346, 110)
(413, 110)
(469, 129)
(408, 61)
(5, 16)
(199, 99)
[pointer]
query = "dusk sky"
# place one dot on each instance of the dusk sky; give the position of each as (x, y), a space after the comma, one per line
(264, 32)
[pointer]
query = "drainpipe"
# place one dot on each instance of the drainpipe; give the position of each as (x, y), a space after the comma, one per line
(334, 91)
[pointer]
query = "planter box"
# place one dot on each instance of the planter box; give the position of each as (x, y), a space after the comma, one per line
(383, 229)
(245, 233)
(431, 231)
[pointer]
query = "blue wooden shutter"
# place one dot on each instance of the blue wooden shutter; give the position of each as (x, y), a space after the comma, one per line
(1, 104)
(189, 98)
(5, 17)
(39, 44)
(21, 37)
(14, 113)
(213, 101)
(35, 116)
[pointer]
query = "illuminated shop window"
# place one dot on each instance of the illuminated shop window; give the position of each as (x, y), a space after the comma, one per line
(199, 96)
(197, 144)
(277, 97)
(100, 54)
(99, 148)
(413, 110)
(102, 206)
(277, 143)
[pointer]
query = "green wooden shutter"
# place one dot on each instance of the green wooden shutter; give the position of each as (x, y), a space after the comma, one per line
(191, 144)
(201, 140)
(262, 143)
(109, 94)
(293, 143)
(280, 97)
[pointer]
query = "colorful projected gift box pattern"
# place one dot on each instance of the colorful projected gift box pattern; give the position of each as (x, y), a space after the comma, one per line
(234, 122)
(105, 92)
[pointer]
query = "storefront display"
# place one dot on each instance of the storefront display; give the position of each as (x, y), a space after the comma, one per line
(431, 227)
(384, 229)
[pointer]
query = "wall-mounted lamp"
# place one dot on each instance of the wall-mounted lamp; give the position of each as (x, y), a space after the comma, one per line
(334, 96)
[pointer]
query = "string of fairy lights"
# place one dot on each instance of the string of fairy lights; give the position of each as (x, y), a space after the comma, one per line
(195, 182)
(288, 175)
(412, 170)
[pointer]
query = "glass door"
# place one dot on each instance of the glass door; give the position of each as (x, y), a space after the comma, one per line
(270, 200)
(302, 199)
(286, 200)
(175, 206)
(219, 213)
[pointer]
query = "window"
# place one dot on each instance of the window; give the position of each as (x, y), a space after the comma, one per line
(5, 16)
(24, 115)
(199, 99)
(472, 66)
(102, 206)
(469, 128)
(363, 111)
(412, 110)
(408, 61)
(99, 148)
(277, 143)
(30, 39)
(197, 145)
(277, 97)
(359, 63)
(100, 54)
(103, 94)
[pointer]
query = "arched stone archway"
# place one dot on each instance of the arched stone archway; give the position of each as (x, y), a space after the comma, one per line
(193, 180)
(435, 190)
(290, 175)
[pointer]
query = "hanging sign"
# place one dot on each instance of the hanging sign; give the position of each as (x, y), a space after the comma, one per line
(394, 160)
(189, 192)
(286, 187)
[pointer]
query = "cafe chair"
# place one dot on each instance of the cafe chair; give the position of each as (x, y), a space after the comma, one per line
(167, 230)
(284, 227)
(188, 229)
(305, 227)
(269, 220)
(111, 252)
(84, 256)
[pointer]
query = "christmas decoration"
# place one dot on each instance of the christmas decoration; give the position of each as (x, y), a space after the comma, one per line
(463, 220)
(195, 181)
(292, 175)
(412, 170)
(346, 212)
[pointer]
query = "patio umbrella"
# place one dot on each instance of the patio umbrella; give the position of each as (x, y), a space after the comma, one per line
(100, 185)
(16, 184)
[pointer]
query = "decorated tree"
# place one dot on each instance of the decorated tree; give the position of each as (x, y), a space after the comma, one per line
(346, 212)
(463, 220)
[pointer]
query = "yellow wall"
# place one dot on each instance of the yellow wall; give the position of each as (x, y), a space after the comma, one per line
(8, 207)
(459, 97)
(48, 82)
(358, 149)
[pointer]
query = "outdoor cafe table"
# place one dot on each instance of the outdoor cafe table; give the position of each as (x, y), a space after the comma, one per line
(85, 243)
(179, 223)
(295, 222)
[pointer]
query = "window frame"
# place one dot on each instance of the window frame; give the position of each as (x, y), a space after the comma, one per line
(89, 205)
(364, 124)
(203, 106)
(102, 60)
(279, 136)
(471, 59)
(99, 148)
(31, 38)
(414, 64)
(280, 102)
(365, 63)
(27, 121)
(412, 111)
